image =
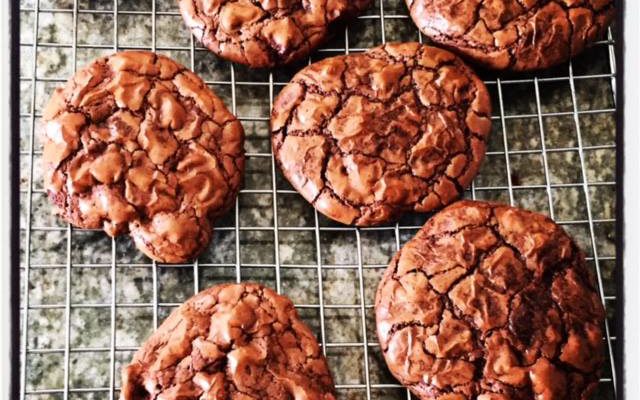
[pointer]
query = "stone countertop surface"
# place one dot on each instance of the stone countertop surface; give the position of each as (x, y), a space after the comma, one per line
(317, 259)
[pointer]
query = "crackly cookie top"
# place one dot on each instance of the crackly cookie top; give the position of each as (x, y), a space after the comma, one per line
(514, 34)
(365, 137)
(265, 33)
(232, 341)
(135, 142)
(491, 302)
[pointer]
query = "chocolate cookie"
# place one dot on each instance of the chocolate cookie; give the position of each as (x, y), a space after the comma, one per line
(514, 34)
(233, 341)
(366, 137)
(265, 33)
(491, 302)
(136, 143)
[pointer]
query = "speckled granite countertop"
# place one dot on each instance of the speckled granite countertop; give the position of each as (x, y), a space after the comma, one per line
(314, 260)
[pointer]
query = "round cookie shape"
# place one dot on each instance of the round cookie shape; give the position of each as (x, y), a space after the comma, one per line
(514, 34)
(265, 33)
(232, 341)
(136, 143)
(369, 136)
(491, 302)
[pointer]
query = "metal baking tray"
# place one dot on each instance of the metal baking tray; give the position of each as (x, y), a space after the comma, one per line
(88, 301)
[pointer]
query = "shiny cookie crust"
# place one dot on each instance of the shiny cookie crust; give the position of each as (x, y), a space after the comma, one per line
(491, 302)
(136, 143)
(265, 33)
(519, 35)
(232, 341)
(366, 137)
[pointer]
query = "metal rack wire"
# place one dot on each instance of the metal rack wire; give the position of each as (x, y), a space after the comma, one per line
(53, 351)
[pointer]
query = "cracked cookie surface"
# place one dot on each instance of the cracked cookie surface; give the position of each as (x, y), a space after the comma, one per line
(265, 33)
(369, 136)
(491, 302)
(232, 341)
(518, 35)
(136, 143)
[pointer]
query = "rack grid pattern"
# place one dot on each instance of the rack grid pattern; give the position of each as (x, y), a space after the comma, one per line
(53, 313)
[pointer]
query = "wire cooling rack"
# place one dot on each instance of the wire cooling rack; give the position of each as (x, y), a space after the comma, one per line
(89, 301)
